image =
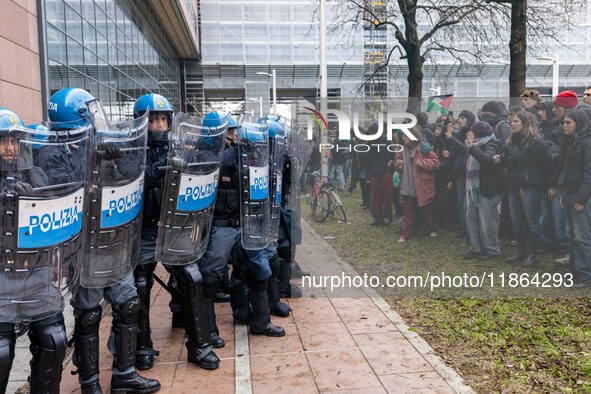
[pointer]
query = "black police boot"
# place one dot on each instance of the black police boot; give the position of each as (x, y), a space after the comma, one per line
(260, 316)
(283, 278)
(86, 348)
(190, 284)
(133, 382)
(296, 271)
(125, 331)
(93, 387)
(276, 307)
(214, 333)
(144, 280)
(239, 302)
(175, 304)
(7, 345)
(48, 347)
(178, 320)
(222, 294)
(203, 356)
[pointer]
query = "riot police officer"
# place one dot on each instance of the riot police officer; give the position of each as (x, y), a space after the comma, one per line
(68, 108)
(186, 283)
(251, 270)
(28, 294)
(279, 268)
(226, 224)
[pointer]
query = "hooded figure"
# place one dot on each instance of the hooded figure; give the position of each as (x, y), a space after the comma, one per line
(495, 114)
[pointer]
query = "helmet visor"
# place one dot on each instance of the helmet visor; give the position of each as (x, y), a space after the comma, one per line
(95, 107)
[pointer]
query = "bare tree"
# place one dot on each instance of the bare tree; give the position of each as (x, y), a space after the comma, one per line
(471, 32)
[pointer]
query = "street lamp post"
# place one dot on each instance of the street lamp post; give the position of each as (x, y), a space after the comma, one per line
(273, 76)
(555, 70)
(323, 86)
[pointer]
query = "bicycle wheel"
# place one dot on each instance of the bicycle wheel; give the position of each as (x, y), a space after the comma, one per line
(312, 202)
(341, 213)
(322, 207)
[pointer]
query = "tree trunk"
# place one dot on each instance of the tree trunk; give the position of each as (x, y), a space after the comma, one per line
(415, 79)
(517, 50)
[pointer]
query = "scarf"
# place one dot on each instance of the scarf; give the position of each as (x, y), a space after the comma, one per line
(473, 172)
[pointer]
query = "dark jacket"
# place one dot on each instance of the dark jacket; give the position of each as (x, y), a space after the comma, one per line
(492, 178)
(446, 164)
(156, 157)
(575, 177)
(530, 166)
(458, 169)
(551, 132)
(62, 164)
(378, 157)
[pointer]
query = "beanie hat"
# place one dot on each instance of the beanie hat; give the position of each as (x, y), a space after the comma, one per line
(426, 147)
(567, 99)
(482, 129)
(493, 107)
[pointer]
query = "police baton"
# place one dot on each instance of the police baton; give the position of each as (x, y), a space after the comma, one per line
(205, 163)
(104, 154)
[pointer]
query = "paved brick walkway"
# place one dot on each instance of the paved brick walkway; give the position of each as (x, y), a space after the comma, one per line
(348, 341)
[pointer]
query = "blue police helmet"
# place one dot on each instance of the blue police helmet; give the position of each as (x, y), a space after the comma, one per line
(215, 119)
(274, 118)
(153, 102)
(41, 135)
(250, 133)
(274, 128)
(9, 119)
(68, 108)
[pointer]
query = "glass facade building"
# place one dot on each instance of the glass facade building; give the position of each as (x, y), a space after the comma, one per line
(116, 50)
(242, 37)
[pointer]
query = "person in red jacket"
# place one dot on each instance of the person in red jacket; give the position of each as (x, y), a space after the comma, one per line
(417, 164)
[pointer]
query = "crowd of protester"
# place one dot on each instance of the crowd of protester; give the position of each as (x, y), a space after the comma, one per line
(519, 175)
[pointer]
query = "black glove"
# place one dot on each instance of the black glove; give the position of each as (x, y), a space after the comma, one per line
(24, 189)
(109, 151)
(178, 164)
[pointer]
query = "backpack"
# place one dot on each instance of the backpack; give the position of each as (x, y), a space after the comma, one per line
(498, 130)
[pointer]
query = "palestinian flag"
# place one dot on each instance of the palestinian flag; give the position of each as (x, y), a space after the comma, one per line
(440, 103)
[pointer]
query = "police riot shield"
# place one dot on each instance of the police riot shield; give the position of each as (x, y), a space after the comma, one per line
(278, 151)
(41, 201)
(190, 190)
(299, 151)
(253, 164)
(113, 208)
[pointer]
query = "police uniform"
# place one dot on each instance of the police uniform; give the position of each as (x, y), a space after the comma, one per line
(47, 332)
(68, 107)
(225, 232)
(186, 281)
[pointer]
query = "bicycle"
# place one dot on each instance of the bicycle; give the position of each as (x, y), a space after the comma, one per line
(324, 200)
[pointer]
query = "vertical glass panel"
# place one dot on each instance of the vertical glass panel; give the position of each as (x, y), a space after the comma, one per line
(75, 53)
(88, 10)
(56, 45)
(55, 13)
(89, 36)
(73, 27)
(101, 20)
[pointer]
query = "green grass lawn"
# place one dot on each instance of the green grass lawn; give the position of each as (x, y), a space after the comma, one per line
(500, 340)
